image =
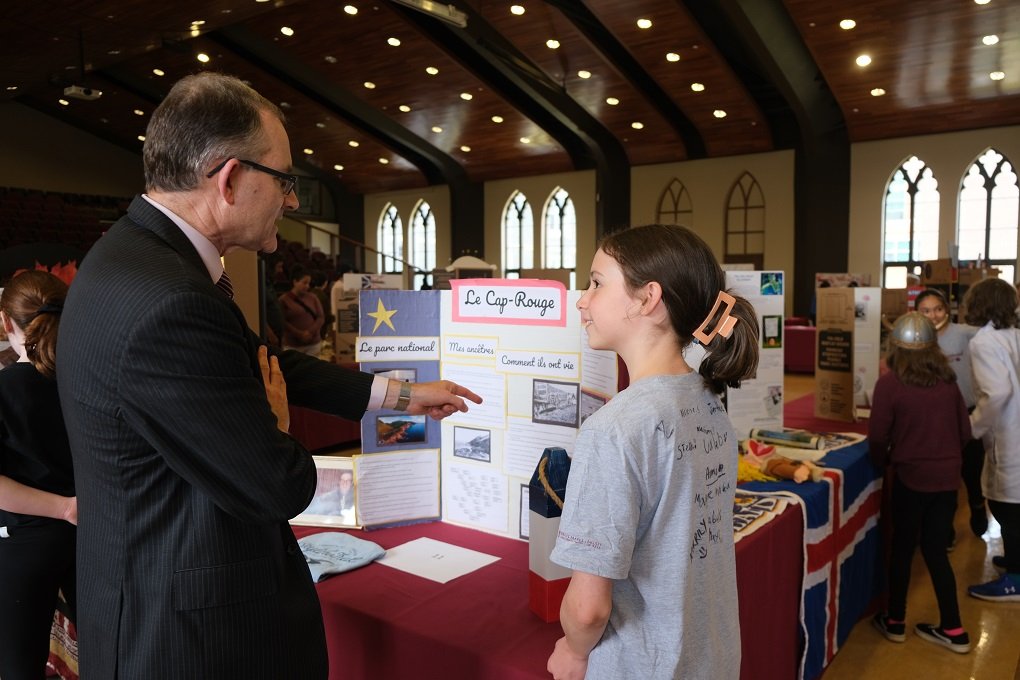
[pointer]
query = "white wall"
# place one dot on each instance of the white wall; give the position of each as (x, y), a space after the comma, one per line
(39, 152)
(948, 155)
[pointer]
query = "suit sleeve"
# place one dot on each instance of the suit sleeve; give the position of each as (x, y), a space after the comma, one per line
(189, 389)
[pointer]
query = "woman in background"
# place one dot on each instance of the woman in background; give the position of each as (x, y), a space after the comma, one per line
(302, 315)
(38, 510)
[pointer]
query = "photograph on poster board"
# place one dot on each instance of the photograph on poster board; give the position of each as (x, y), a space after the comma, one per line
(554, 402)
(399, 430)
(334, 502)
(772, 283)
(404, 374)
(590, 402)
(772, 331)
(472, 443)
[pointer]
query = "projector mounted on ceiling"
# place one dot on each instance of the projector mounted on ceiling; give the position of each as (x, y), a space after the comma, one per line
(447, 13)
(82, 92)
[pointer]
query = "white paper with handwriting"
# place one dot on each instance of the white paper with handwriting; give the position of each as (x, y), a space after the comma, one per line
(435, 560)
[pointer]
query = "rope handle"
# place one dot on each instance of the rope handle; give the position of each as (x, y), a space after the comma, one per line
(545, 483)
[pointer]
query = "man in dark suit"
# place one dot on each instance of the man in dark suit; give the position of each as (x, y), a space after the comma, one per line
(186, 479)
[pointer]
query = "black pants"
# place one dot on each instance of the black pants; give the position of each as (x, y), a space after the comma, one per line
(927, 518)
(35, 563)
(1008, 515)
(973, 463)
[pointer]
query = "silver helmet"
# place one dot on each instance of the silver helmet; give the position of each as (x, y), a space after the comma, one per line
(913, 330)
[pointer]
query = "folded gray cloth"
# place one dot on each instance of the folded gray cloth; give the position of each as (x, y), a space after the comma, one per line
(333, 552)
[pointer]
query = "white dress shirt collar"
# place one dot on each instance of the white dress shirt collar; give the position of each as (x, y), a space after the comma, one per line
(206, 250)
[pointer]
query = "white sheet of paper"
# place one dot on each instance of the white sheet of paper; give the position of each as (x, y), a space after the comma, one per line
(435, 560)
(525, 441)
(475, 496)
(486, 383)
(397, 486)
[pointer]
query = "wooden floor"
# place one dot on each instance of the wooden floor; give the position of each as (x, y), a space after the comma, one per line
(994, 628)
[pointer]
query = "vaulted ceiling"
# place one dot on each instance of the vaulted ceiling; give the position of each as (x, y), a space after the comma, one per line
(382, 97)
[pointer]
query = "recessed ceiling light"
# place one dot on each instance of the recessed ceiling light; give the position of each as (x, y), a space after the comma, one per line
(405, 108)
(284, 105)
(990, 39)
(637, 125)
(198, 22)
(497, 119)
(431, 70)
(330, 59)
(465, 148)
(261, 0)
(113, 52)
(644, 23)
(466, 96)
(351, 9)
(158, 72)
(141, 138)
(384, 161)
(877, 92)
(353, 144)
(516, 9)
(309, 152)
(863, 60)
(719, 113)
(287, 31)
(195, 32)
(338, 167)
(697, 87)
(525, 140)
(996, 75)
(393, 42)
(552, 44)
(369, 85)
(847, 24)
(981, 2)
(437, 129)
(139, 112)
(672, 56)
(202, 57)
(612, 101)
(63, 102)
(12, 88)
(584, 75)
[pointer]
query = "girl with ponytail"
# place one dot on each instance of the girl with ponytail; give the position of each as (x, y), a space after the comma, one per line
(647, 524)
(38, 508)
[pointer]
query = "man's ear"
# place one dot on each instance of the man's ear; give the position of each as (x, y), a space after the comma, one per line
(226, 179)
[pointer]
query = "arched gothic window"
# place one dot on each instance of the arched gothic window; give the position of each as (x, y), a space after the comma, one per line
(989, 213)
(745, 222)
(675, 205)
(423, 244)
(560, 233)
(911, 222)
(390, 241)
(518, 236)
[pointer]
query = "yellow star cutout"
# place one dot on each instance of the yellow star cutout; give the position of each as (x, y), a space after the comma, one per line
(382, 316)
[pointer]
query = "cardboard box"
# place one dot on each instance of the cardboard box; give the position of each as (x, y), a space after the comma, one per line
(938, 271)
(968, 277)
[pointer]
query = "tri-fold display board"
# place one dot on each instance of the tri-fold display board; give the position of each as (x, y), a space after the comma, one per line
(518, 344)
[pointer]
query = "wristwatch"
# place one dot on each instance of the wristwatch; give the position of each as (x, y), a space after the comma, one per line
(404, 398)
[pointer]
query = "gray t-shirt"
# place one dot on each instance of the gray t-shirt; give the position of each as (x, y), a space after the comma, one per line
(955, 344)
(649, 504)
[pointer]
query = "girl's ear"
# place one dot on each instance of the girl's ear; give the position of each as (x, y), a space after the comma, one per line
(8, 325)
(651, 297)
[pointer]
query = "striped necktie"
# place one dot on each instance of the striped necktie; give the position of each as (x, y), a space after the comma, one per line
(224, 285)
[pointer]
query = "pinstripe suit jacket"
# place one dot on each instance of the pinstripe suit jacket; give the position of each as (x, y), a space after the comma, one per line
(187, 567)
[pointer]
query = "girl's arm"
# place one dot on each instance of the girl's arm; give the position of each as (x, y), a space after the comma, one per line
(584, 614)
(26, 500)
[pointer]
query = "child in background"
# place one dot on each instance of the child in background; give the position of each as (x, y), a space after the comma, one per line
(38, 510)
(995, 361)
(919, 425)
(954, 341)
(647, 522)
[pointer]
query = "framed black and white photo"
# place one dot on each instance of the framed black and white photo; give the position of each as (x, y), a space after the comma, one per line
(472, 443)
(554, 402)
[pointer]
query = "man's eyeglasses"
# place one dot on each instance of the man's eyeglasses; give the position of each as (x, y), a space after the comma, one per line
(287, 181)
